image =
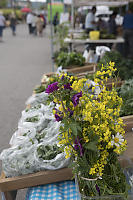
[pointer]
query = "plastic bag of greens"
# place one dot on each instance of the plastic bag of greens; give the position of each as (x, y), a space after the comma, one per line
(52, 130)
(37, 99)
(33, 120)
(19, 159)
(39, 108)
(49, 156)
(22, 135)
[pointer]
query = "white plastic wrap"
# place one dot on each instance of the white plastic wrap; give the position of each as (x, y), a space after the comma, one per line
(100, 50)
(19, 159)
(37, 99)
(86, 56)
(39, 108)
(91, 84)
(38, 125)
(22, 135)
(58, 162)
(60, 70)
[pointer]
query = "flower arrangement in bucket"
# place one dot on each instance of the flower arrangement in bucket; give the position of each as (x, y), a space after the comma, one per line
(91, 132)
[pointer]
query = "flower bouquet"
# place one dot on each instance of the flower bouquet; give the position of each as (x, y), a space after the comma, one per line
(91, 132)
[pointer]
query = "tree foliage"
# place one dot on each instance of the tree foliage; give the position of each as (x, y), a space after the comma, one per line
(3, 3)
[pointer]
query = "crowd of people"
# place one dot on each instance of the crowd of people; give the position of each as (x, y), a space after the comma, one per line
(36, 23)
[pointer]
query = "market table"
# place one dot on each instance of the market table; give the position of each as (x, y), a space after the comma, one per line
(70, 41)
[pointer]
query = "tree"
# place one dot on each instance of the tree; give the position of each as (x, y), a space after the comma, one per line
(3, 3)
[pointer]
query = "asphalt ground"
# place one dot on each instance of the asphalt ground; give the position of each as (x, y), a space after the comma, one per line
(24, 59)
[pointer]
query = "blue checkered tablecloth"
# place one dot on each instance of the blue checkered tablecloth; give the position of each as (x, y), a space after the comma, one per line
(65, 190)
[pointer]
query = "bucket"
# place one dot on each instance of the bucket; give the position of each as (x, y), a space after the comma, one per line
(94, 35)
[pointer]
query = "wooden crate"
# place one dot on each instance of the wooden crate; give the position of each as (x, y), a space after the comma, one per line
(10, 185)
(128, 121)
(78, 71)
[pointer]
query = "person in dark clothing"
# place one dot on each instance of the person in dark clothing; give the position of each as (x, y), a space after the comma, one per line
(128, 33)
(13, 22)
(56, 21)
(112, 27)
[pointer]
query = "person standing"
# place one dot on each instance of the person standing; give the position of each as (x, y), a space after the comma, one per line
(56, 21)
(13, 23)
(128, 33)
(39, 25)
(2, 25)
(112, 27)
(90, 23)
(29, 20)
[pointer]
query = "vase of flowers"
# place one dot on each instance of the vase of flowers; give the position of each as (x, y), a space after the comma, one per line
(91, 132)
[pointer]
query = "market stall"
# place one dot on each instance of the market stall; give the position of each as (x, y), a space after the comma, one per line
(10, 185)
(105, 42)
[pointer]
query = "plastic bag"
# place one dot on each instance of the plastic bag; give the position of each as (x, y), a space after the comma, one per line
(59, 161)
(33, 120)
(19, 159)
(22, 135)
(86, 56)
(89, 85)
(100, 50)
(60, 70)
(37, 99)
(39, 108)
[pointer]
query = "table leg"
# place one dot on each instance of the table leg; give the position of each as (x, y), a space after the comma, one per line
(70, 47)
(10, 195)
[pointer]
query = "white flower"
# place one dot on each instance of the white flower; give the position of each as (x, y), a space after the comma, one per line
(117, 140)
(44, 79)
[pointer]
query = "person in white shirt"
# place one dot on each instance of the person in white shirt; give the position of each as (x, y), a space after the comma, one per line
(2, 25)
(90, 23)
(29, 21)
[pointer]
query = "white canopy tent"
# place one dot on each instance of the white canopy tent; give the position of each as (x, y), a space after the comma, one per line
(111, 3)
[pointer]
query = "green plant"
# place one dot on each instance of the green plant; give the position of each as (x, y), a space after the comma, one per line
(91, 131)
(9, 11)
(61, 34)
(3, 3)
(70, 59)
(32, 119)
(126, 93)
(124, 66)
(48, 152)
(40, 88)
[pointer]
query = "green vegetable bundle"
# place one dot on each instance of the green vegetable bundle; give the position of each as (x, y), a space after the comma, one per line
(70, 59)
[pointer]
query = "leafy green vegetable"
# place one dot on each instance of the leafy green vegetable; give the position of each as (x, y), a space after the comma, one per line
(40, 136)
(40, 88)
(126, 92)
(36, 107)
(70, 59)
(48, 152)
(32, 119)
(124, 66)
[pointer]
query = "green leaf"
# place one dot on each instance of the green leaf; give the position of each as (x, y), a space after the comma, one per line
(91, 146)
(74, 128)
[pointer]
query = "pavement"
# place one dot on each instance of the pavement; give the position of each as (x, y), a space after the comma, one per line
(24, 59)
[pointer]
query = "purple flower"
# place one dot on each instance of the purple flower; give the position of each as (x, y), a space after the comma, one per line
(58, 118)
(78, 146)
(71, 112)
(98, 189)
(62, 77)
(52, 87)
(75, 98)
(67, 86)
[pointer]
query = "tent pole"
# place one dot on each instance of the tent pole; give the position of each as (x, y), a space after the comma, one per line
(51, 32)
(72, 14)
